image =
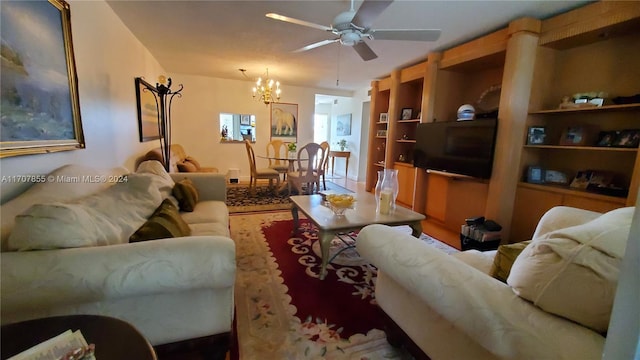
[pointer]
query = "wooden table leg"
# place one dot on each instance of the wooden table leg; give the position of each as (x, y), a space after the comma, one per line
(333, 162)
(325, 238)
(416, 229)
(296, 221)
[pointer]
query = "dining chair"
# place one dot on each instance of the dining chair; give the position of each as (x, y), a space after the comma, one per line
(276, 152)
(264, 173)
(308, 156)
(322, 165)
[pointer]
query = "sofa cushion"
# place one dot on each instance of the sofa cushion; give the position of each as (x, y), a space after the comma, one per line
(187, 194)
(210, 229)
(165, 222)
(56, 190)
(208, 212)
(186, 166)
(105, 218)
(191, 160)
(503, 261)
(573, 272)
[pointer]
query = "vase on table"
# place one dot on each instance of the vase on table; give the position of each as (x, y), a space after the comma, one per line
(386, 191)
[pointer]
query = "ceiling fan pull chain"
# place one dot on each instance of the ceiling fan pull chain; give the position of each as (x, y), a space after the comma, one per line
(338, 67)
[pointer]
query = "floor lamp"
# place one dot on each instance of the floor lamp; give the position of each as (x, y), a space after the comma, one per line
(164, 97)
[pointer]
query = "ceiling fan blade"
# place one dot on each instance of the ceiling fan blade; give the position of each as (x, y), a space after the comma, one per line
(369, 11)
(410, 35)
(297, 21)
(364, 51)
(315, 45)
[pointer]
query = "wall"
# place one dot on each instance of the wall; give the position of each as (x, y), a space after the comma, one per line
(196, 125)
(108, 58)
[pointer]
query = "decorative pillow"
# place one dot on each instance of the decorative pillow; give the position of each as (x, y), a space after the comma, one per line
(187, 195)
(185, 166)
(193, 161)
(505, 256)
(165, 222)
(573, 272)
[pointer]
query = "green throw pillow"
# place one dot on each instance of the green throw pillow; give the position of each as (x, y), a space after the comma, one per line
(504, 259)
(165, 222)
(186, 194)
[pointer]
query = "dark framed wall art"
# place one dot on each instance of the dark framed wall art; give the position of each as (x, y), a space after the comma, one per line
(147, 112)
(40, 105)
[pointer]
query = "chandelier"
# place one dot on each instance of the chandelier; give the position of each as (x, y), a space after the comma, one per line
(267, 90)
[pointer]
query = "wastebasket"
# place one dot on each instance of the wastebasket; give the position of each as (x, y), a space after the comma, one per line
(233, 175)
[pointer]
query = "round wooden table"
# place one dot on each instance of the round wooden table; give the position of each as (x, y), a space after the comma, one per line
(114, 339)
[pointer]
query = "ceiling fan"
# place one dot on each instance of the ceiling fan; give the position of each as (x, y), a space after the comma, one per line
(353, 27)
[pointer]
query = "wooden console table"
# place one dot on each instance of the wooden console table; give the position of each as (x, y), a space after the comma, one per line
(341, 154)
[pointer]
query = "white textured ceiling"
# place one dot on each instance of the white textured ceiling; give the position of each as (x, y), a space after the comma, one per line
(216, 38)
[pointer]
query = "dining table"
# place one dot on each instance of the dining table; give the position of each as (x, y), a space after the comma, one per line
(291, 163)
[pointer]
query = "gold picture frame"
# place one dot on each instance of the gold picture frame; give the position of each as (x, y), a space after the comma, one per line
(43, 116)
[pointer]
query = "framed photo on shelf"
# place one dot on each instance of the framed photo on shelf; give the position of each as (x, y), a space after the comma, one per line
(575, 136)
(384, 117)
(381, 133)
(536, 135)
(627, 139)
(535, 175)
(406, 114)
(606, 138)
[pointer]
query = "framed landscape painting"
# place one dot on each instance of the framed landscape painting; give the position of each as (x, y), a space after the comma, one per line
(40, 107)
(343, 125)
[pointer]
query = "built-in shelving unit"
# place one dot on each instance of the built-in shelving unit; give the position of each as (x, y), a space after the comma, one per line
(594, 48)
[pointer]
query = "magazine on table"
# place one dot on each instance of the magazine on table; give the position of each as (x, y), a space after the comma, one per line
(70, 345)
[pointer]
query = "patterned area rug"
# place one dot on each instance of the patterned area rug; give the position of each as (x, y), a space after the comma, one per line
(283, 311)
(239, 200)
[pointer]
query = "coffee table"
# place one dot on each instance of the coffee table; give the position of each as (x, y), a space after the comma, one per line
(363, 214)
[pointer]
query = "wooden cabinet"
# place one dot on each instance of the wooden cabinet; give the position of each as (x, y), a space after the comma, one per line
(451, 199)
(591, 49)
(406, 183)
(379, 121)
(532, 201)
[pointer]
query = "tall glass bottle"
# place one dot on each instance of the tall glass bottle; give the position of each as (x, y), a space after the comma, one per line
(386, 197)
(379, 188)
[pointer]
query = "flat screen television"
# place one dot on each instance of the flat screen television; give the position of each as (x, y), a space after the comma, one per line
(459, 147)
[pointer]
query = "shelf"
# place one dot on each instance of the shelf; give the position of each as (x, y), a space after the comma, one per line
(381, 137)
(590, 148)
(605, 108)
(559, 189)
(405, 164)
(408, 141)
(381, 123)
(409, 121)
(378, 164)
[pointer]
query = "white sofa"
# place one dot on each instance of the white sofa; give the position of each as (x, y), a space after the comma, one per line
(171, 290)
(448, 307)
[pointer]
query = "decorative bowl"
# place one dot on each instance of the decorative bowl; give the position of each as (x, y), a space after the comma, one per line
(339, 203)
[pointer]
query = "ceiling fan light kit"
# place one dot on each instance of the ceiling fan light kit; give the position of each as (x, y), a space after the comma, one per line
(353, 27)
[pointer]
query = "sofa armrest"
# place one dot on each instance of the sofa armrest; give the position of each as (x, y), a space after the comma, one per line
(210, 186)
(475, 303)
(560, 217)
(44, 279)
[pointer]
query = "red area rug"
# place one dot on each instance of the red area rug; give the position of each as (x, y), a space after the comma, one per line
(283, 311)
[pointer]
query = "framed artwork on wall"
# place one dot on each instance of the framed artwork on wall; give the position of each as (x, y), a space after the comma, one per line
(343, 125)
(40, 114)
(147, 112)
(284, 122)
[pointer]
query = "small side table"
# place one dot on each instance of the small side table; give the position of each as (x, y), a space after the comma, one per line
(340, 154)
(114, 339)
